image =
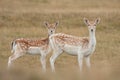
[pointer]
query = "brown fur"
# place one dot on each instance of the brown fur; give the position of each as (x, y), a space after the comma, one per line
(26, 43)
(71, 40)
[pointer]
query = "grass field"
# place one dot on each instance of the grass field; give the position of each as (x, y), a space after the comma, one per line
(25, 18)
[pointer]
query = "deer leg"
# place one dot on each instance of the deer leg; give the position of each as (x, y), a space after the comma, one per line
(43, 62)
(53, 58)
(87, 59)
(14, 57)
(80, 60)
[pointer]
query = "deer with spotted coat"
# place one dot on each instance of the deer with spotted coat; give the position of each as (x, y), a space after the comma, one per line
(82, 47)
(41, 47)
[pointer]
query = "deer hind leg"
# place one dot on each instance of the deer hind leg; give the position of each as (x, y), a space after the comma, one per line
(16, 55)
(56, 53)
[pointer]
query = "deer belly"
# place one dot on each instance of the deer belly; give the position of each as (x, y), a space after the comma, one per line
(34, 50)
(72, 50)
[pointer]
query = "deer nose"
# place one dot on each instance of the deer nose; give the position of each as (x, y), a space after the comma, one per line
(92, 30)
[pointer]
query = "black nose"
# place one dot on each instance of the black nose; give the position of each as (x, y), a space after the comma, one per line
(91, 29)
(51, 31)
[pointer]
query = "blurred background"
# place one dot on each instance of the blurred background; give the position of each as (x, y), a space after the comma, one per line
(25, 19)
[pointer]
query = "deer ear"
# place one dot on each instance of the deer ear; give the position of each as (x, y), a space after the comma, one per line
(57, 23)
(97, 21)
(86, 21)
(46, 24)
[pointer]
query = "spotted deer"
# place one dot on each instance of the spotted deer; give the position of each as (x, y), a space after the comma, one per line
(41, 47)
(82, 47)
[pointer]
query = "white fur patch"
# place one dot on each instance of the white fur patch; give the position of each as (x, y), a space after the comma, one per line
(34, 50)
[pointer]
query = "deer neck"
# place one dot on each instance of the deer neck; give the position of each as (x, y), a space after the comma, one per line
(48, 44)
(48, 39)
(92, 39)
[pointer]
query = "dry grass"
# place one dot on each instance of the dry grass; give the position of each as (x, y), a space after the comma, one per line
(24, 18)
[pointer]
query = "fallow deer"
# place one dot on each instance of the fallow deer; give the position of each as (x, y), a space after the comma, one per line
(41, 47)
(82, 47)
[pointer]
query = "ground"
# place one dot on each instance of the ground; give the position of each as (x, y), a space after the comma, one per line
(25, 19)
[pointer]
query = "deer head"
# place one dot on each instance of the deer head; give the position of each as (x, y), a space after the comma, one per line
(51, 27)
(91, 26)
